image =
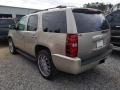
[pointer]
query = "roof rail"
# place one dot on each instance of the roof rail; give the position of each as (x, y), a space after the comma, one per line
(37, 11)
(60, 6)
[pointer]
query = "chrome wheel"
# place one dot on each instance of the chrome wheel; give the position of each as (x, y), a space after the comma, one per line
(11, 47)
(44, 64)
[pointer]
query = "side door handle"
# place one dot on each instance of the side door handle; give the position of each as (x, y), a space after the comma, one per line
(34, 36)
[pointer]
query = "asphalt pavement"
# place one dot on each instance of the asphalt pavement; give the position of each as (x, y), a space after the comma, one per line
(19, 73)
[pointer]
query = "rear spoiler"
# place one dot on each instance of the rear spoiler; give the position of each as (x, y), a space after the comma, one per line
(87, 11)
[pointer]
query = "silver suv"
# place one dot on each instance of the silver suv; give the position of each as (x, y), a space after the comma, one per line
(71, 40)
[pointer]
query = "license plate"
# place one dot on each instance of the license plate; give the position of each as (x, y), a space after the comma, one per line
(100, 44)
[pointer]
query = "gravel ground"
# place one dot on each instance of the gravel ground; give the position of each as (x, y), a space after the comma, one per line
(19, 73)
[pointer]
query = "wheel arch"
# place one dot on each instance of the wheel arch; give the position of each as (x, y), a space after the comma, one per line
(41, 47)
(9, 37)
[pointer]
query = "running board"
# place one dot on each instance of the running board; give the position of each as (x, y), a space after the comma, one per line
(30, 57)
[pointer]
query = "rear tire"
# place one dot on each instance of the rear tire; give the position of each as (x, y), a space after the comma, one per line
(45, 64)
(11, 46)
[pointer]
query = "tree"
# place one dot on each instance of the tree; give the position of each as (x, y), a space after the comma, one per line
(101, 6)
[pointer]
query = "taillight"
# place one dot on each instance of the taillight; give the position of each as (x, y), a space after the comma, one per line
(72, 45)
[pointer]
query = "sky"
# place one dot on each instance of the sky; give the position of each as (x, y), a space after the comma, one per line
(43, 4)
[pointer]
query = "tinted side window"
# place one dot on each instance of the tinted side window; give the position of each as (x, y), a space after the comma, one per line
(114, 20)
(21, 24)
(18, 17)
(109, 18)
(32, 23)
(114, 17)
(55, 22)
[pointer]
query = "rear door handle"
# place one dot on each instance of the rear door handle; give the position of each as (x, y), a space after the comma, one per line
(34, 36)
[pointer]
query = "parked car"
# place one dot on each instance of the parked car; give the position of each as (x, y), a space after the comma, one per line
(4, 27)
(71, 40)
(114, 20)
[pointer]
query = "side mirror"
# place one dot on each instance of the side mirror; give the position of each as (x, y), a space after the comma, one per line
(12, 27)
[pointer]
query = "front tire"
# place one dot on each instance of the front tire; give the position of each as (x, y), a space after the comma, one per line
(11, 47)
(45, 64)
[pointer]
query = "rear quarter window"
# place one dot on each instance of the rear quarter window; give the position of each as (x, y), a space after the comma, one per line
(54, 22)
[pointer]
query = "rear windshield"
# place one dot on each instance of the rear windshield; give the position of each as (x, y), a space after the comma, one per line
(90, 21)
(6, 22)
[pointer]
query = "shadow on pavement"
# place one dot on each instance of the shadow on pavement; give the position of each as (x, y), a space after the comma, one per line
(89, 78)
(3, 44)
(115, 53)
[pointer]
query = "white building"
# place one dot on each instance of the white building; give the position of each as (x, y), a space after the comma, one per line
(14, 12)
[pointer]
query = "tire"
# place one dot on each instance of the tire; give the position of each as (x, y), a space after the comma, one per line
(11, 46)
(45, 65)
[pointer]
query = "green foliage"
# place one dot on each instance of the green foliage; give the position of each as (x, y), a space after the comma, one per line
(101, 6)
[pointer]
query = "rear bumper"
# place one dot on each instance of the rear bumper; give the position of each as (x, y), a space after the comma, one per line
(74, 65)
